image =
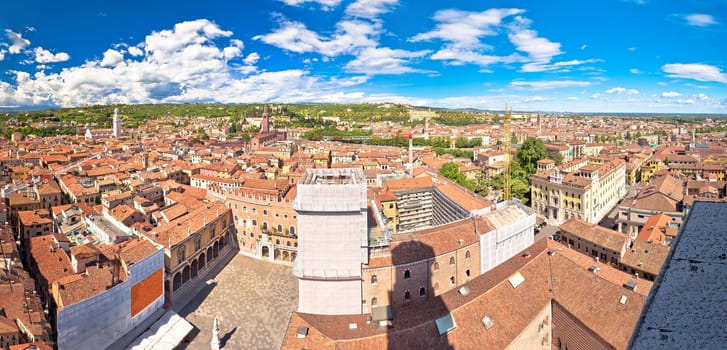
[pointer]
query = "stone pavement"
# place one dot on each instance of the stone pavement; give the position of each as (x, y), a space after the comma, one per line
(251, 299)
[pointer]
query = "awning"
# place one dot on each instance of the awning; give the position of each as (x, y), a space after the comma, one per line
(165, 334)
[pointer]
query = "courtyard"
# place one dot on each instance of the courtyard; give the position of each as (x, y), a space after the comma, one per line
(252, 301)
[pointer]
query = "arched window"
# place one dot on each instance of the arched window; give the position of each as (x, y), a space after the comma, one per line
(277, 241)
(254, 222)
(451, 280)
(451, 260)
(467, 272)
(407, 296)
(422, 292)
(265, 212)
(435, 266)
(280, 228)
(374, 301)
(197, 242)
(244, 209)
(407, 274)
(467, 254)
(291, 229)
(374, 279)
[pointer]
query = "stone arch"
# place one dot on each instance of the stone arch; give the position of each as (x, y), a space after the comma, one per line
(293, 256)
(195, 268)
(177, 281)
(216, 249)
(209, 254)
(201, 261)
(186, 274)
(278, 254)
(286, 256)
(265, 251)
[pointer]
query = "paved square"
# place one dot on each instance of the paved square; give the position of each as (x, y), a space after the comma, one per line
(252, 300)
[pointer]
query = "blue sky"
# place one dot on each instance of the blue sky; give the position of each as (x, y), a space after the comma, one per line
(577, 56)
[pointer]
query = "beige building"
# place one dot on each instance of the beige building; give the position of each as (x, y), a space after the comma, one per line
(585, 189)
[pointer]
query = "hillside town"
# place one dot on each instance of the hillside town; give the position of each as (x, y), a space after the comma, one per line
(510, 230)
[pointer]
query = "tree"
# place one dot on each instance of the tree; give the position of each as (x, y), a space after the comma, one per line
(528, 155)
(451, 171)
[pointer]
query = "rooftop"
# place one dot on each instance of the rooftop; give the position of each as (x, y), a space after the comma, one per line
(687, 307)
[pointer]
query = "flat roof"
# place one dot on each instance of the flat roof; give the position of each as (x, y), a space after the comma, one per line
(686, 307)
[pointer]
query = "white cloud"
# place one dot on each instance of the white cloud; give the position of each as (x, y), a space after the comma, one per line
(186, 65)
(112, 58)
(696, 71)
(2, 54)
(30, 29)
(135, 51)
(688, 101)
(620, 90)
(45, 56)
(350, 36)
(540, 50)
(535, 99)
(383, 61)
(584, 46)
(549, 84)
(325, 4)
(18, 43)
(595, 96)
(572, 98)
(700, 20)
(370, 8)
(635, 71)
(252, 58)
(464, 29)
(701, 97)
(670, 94)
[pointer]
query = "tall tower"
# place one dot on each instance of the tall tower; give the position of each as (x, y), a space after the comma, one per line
(333, 241)
(265, 125)
(117, 123)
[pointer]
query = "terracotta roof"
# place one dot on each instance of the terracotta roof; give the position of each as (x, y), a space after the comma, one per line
(549, 279)
(53, 263)
(646, 256)
(655, 228)
(594, 233)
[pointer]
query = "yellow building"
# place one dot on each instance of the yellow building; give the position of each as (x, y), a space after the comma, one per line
(583, 189)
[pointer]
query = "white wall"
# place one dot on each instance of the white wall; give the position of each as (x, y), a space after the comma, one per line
(329, 297)
(97, 322)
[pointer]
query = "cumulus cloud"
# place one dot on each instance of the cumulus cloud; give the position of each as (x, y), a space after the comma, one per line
(700, 20)
(549, 84)
(634, 71)
(701, 97)
(185, 64)
(252, 58)
(2, 54)
(669, 94)
(44, 56)
(112, 58)
(696, 71)
(135, 51)
(18, 43)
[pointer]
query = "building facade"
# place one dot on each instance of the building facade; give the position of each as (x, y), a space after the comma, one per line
(583, 189)
(332, 215)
